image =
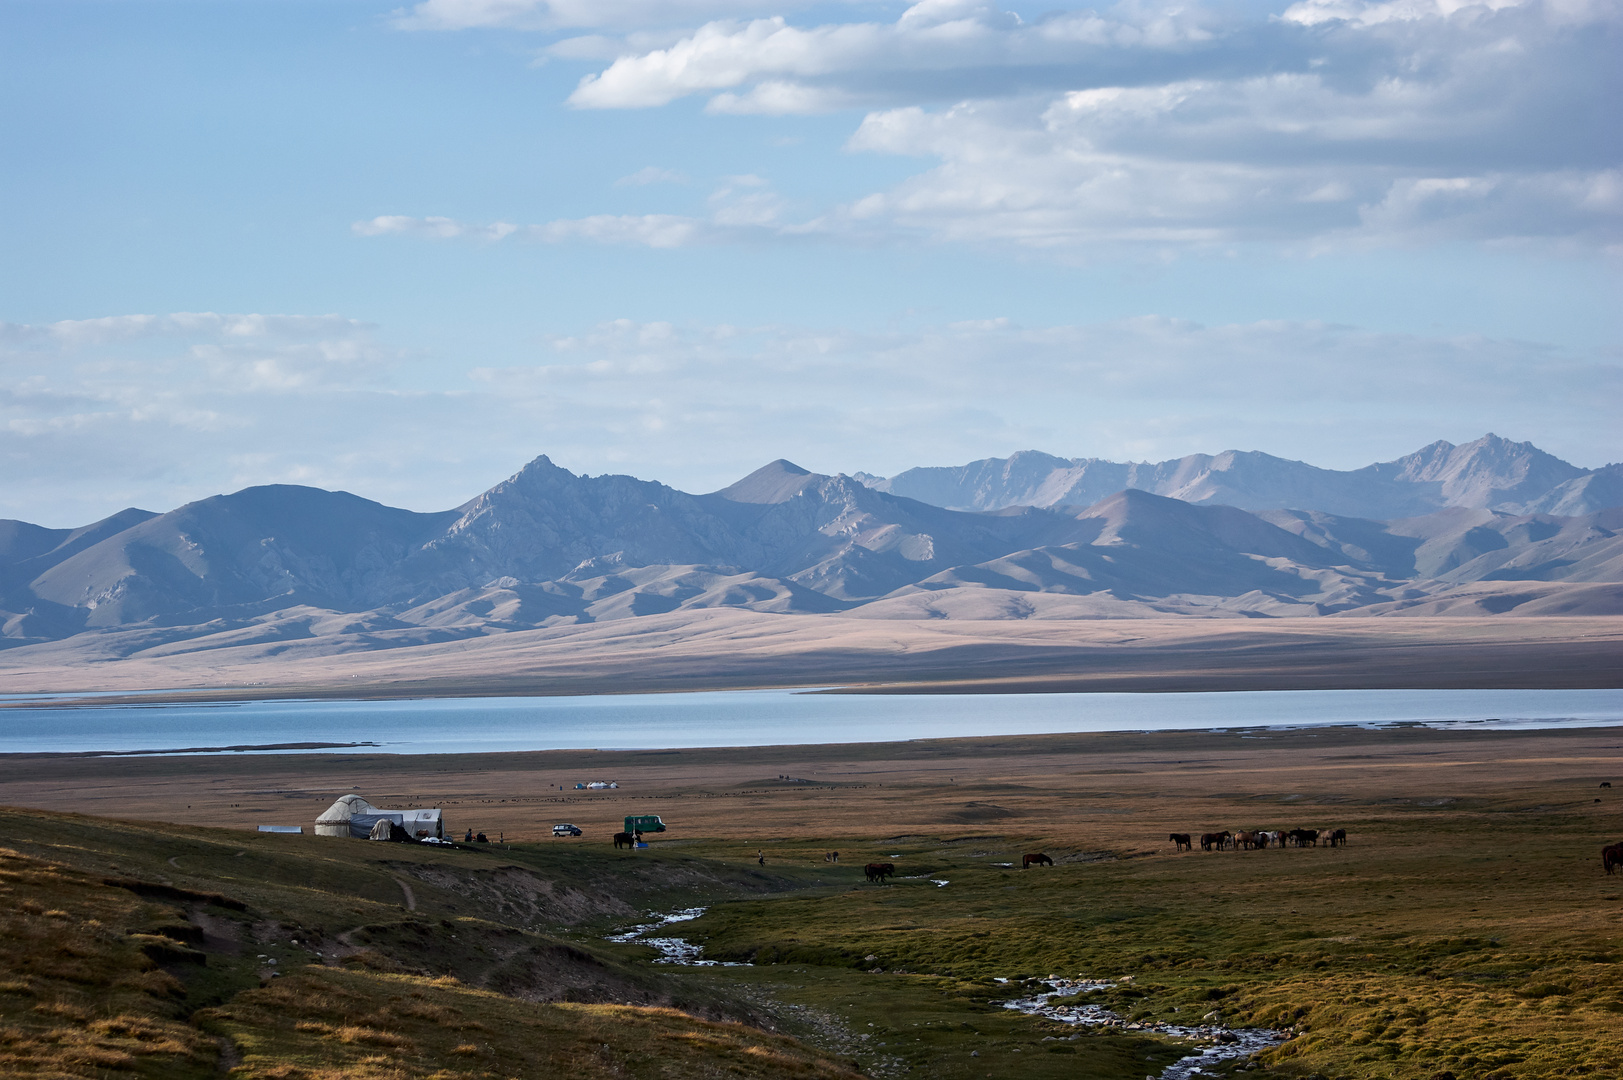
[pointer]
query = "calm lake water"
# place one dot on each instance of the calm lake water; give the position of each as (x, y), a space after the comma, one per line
(757, 718)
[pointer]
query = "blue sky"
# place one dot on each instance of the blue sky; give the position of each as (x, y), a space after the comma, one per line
(400, 250)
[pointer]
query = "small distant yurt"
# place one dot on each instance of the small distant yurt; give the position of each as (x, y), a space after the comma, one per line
(353, 816)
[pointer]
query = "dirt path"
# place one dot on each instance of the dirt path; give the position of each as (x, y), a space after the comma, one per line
(411, 898)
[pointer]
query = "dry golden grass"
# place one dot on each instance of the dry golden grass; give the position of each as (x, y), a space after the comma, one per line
(79, 996)
(325, 1023)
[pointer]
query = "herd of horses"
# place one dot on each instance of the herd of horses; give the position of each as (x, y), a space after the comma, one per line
(1253, 839)
(1611, 856)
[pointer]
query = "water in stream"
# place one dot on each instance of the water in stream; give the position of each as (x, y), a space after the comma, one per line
(1225, 1043)
(672, 950)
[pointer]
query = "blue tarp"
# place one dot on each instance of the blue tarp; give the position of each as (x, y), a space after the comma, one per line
(360, 825)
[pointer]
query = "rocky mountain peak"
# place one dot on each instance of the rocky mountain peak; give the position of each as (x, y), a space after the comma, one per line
(775, 482)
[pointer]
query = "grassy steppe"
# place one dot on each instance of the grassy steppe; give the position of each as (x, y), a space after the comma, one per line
(1479, 939)
(1467, 928)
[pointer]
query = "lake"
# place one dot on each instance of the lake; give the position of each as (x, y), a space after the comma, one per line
(752, 718)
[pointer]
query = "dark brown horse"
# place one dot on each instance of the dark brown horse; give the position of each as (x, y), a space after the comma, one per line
(1180, 841)
(1611, 857)
(1338, 837)
(879, 871)
(1305, 837)
(624, 839)
(1035, 859)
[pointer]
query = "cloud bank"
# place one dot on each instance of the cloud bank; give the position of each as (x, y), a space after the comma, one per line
(1316, 125)
(147, 410)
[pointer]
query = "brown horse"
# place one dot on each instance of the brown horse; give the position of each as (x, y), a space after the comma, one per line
(1611, 857)
(1180, 841)
(1035, 859)
(1209, 840)
(624, 839)
(879, 871)
(1338, 837)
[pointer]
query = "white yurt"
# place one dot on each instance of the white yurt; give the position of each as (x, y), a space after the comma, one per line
(353, 816)
(335, 820)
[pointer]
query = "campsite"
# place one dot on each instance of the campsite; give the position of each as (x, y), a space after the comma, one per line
(1470, 887)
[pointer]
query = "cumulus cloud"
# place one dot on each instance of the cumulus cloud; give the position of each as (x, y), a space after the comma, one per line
(1326, 122)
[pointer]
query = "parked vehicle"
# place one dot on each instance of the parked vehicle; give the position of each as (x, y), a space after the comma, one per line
(565, 830)
(636, 823)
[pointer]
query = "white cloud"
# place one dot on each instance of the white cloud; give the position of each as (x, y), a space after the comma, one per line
(938, 47)
(1365, 13)
(1329, 123)
(439, 228)
(556, 14)
(742, 208)
(643, 230)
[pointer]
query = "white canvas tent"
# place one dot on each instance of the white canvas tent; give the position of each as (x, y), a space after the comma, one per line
(353, 816)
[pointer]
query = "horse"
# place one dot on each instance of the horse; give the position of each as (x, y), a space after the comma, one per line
(833, 856)
(1225, 839)
(1180, 841)
(624, 839)
(879, 871)
(1035, 859)
(1209, 839)
(1246, 840)
(1305, 837)
(1611, 857)
(1338, 837)
(1605, 783)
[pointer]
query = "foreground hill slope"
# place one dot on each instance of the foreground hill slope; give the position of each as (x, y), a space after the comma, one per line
(163, 951)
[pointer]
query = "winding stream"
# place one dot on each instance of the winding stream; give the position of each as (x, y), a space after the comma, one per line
(672, 950)
(1226, 1043)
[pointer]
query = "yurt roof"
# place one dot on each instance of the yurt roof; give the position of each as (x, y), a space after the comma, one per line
(345, 808)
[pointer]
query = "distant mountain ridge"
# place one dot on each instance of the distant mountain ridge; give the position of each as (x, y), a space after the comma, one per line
(547, 547)
(1489, 474)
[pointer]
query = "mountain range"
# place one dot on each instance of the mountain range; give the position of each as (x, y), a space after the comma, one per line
(1487, 528)
(1489, 474)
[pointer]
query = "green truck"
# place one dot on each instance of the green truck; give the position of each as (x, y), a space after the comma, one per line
(640, 823)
